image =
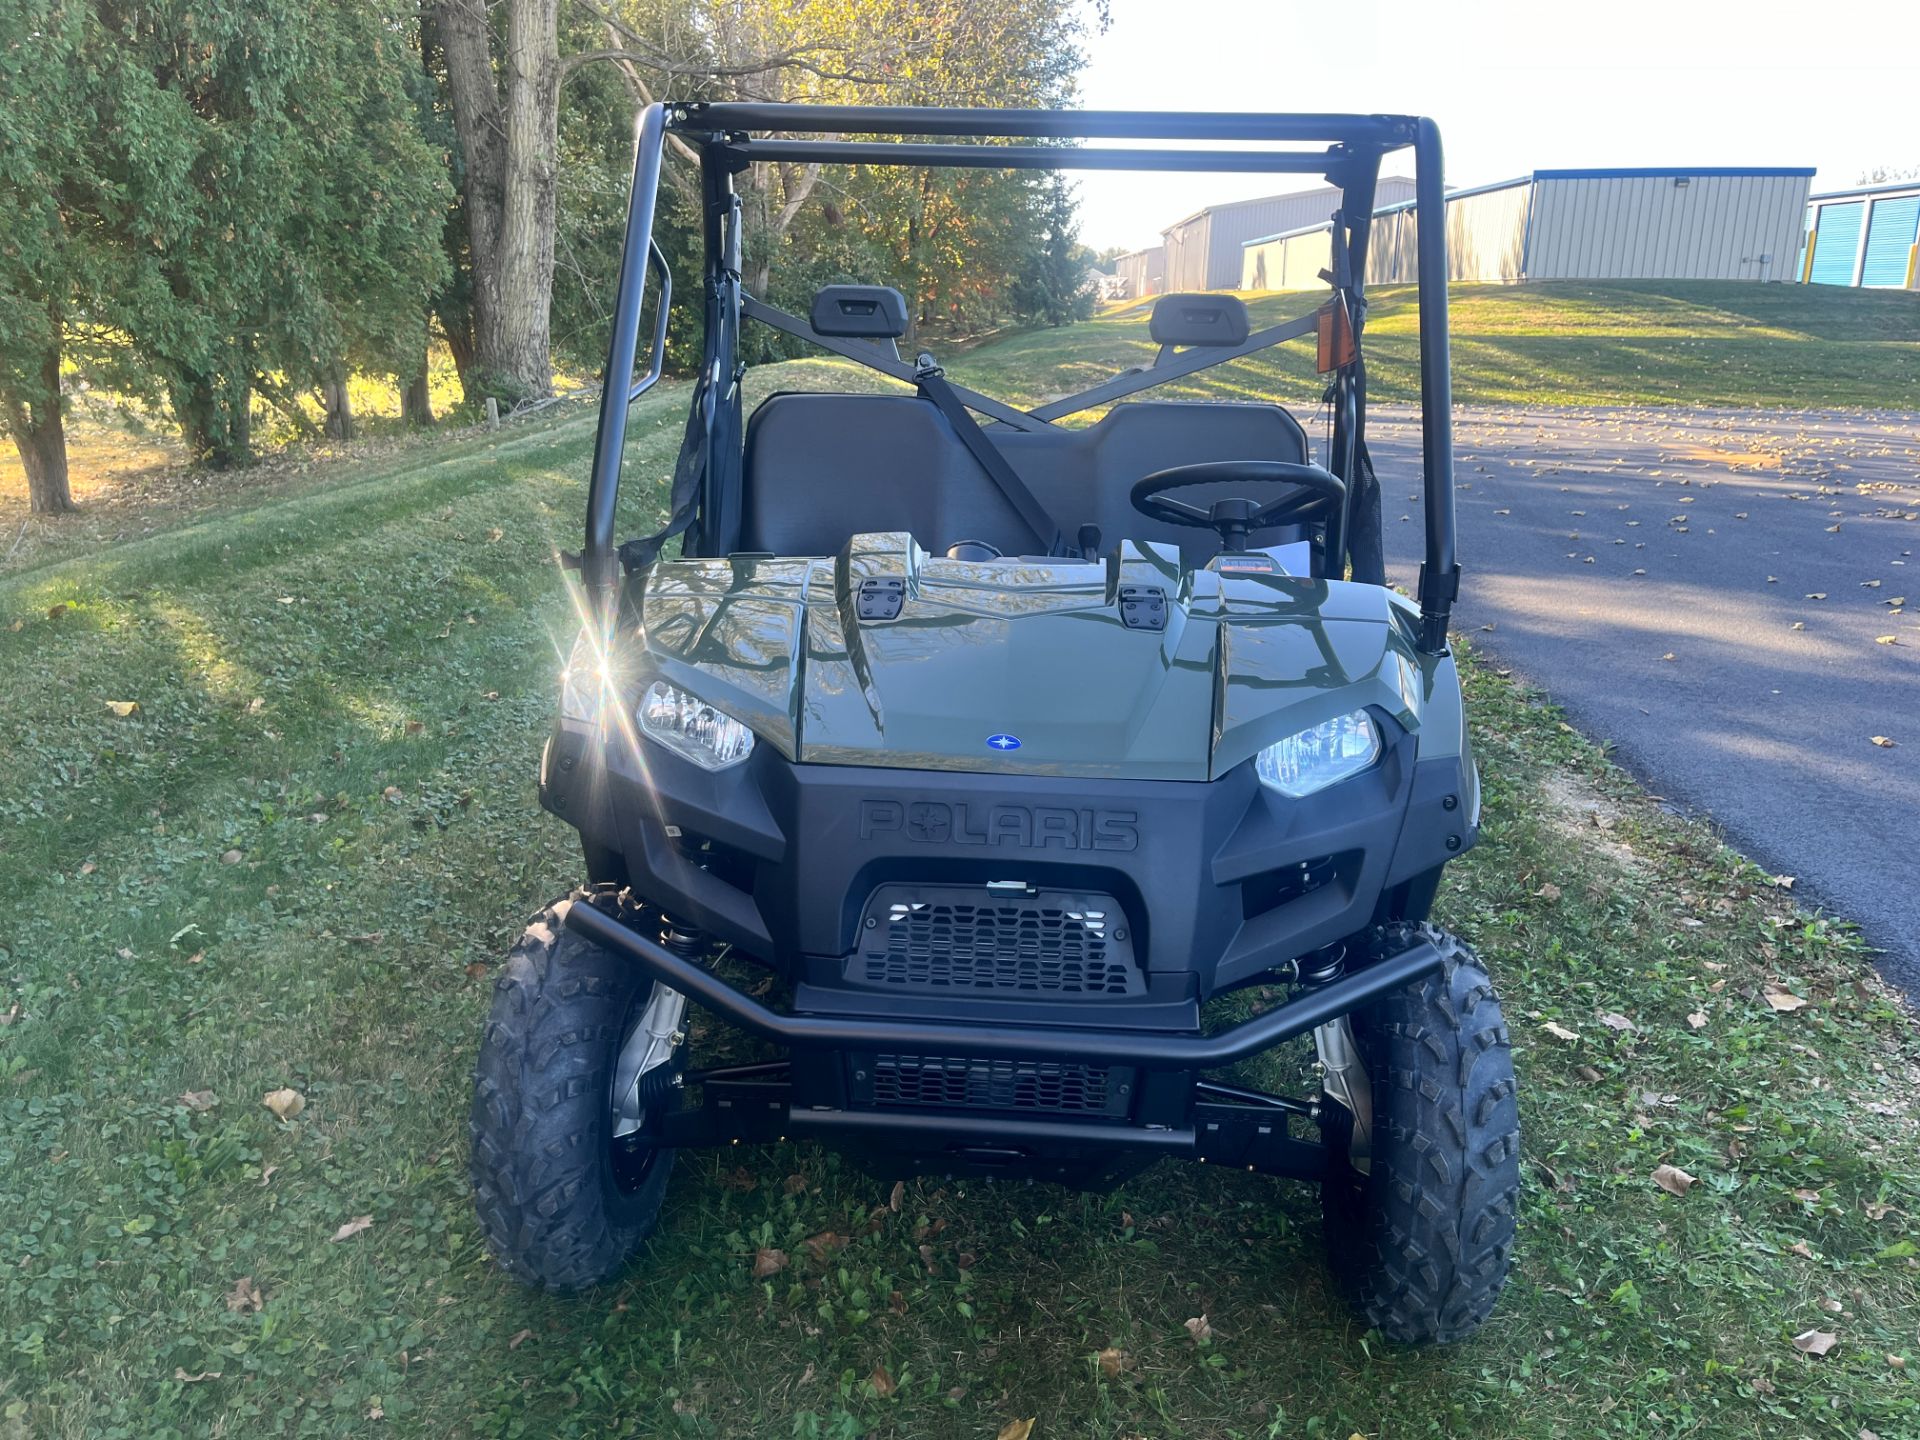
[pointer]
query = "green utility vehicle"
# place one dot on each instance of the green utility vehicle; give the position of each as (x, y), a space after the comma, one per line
(957, 775)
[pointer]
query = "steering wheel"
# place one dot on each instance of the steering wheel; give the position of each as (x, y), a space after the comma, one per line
(1314, 493)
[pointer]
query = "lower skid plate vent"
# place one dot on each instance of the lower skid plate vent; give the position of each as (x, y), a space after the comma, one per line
(970, 940)
(959, 1082)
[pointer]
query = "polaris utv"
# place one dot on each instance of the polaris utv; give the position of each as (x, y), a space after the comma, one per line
(1006, 753)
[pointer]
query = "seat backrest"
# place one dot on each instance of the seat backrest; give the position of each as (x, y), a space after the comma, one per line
(821, 467)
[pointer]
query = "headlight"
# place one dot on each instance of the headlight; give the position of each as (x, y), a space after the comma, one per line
(1316, 758)
(688, 726)
(586, 685)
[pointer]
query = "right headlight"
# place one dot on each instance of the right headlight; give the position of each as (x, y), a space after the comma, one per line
(1320, 755)
(689, 726)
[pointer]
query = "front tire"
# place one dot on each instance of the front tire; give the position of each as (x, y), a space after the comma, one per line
(1422, 1242)
(559, 1208)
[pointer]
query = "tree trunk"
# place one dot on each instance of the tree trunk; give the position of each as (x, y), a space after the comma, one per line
(510, 190)
(521, 345)
(339, 408)
(215, 415)
(40, 435)
(416, 400)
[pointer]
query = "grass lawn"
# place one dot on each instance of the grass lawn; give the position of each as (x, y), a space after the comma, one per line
(1553, 343)
(297, 862)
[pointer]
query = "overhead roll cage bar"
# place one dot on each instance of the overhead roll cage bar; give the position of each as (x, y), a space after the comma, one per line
(705, 502)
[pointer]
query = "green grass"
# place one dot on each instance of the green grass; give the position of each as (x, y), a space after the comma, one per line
(1554, 343)
(399, 631)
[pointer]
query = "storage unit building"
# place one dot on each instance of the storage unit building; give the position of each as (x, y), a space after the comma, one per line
(1652, 224)
(1144, 271)
(1204, 251)
(1869, 236)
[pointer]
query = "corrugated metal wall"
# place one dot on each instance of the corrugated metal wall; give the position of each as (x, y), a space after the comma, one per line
(1652, 227)
(1869, 236)
(1186, 247)
(1207, 251)
(1486, 238)
(1293, 262)
(1145, 271)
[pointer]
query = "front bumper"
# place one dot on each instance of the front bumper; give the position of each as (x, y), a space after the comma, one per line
(1216, 883)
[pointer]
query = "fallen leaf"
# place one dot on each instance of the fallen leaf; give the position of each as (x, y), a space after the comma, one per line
(124, 708)
(495, 535)
(1816, 595)
(245, 1297)
(1802, 1249)
(825, 1245)
(1667, 656)
(232, 857)
(1831, 1306)
(1783, 882)
(1815, 1342)
(392, 795)
(1112, 1362)
(1898, 1362)
(1870, 584)
(1799, 625)
(520, 1339)
(899, 1192)
(768, 1262)
(414, 727)
(352, 1228)
(883, 1383)
(88, 868)
(1588, 1074)
(184, 1378)
(1548, 891)
(1615, 1021)
(1806, 1196)
(54, 612)
(256, 705)
(1673, 1180)
(285, 1103)
(266, 1174)
(1697, 1020)
(1885, 742)
(741, 1179)
(1560, 1032)
(1784, 1001)
(199, 1100)
(795, 1184)
(1886, 639)
(1878, 1210)
(477, 968)
(1198, 1330)
(1016, 1429)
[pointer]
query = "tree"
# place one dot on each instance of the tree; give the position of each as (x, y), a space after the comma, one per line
(38, 255)
(1051, 287)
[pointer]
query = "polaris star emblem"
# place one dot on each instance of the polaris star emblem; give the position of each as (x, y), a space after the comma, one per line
(1004, 742)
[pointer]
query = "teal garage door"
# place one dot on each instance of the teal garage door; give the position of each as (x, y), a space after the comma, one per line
(1838, 243)
(1890, 233)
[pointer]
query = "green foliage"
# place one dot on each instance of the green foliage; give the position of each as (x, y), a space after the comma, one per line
(238, 195)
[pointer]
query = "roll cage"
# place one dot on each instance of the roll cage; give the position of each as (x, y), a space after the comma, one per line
(706, 493)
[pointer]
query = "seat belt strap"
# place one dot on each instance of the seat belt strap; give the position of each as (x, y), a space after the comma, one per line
(933, 385)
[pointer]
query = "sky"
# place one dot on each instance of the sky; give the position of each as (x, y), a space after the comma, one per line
(1518, 86)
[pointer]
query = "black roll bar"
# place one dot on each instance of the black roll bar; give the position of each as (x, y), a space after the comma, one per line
(1439, 573)
(599, 568)
(722, 134)
(1325, 128)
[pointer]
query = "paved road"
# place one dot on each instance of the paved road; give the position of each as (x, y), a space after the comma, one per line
(1706, 589)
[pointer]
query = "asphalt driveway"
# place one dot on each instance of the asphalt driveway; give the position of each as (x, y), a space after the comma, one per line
(1714, 592)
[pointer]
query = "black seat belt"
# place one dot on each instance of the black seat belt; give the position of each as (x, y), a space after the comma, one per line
(933, 385)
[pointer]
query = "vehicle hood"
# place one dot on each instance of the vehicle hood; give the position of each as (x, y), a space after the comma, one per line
(1035, 651)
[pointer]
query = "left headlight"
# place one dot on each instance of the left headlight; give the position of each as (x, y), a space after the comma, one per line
(689, 726)
(586, 685)
(1320, 756)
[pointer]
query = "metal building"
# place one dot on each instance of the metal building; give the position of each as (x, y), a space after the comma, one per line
(1203, 251)
(1868, 236)
(1145, 271)
(1642, 224)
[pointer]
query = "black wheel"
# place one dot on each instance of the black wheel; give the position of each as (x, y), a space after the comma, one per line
(562, 1202)
(1422, 1239)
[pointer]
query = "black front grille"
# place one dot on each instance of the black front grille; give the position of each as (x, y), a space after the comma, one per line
(965, 939)
(953, 1082)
